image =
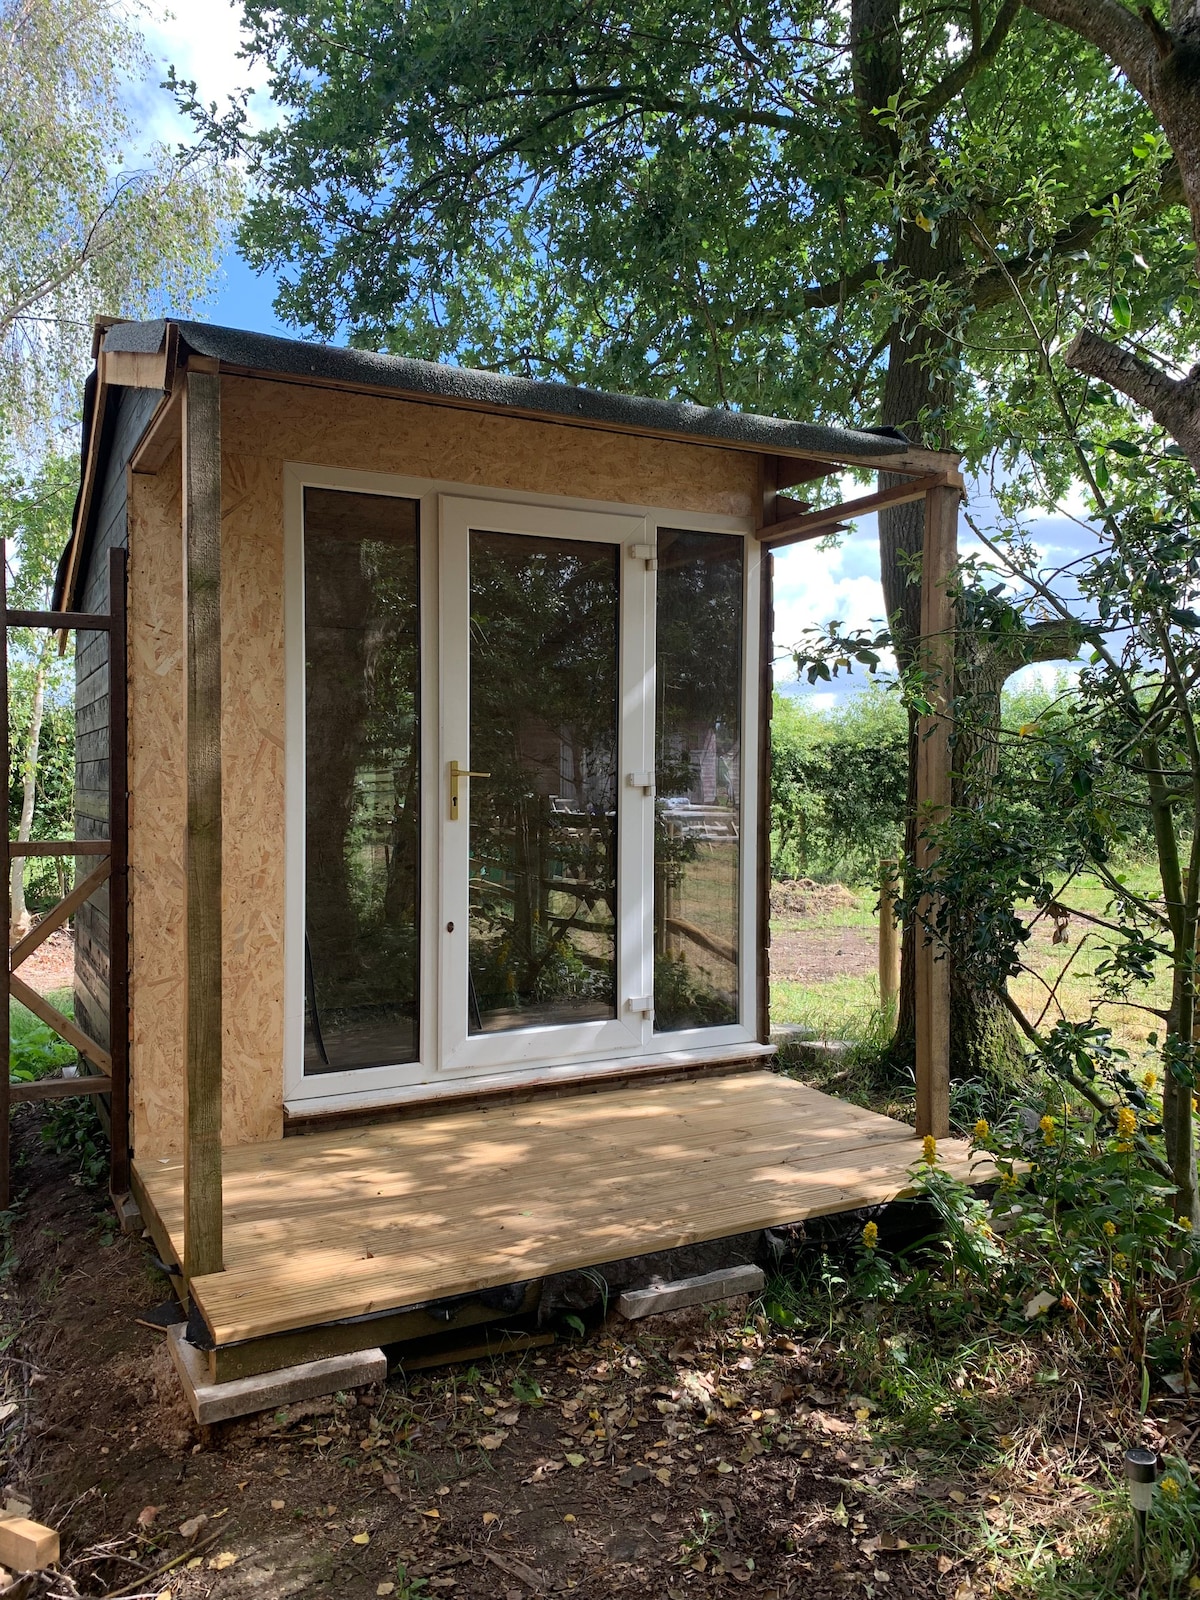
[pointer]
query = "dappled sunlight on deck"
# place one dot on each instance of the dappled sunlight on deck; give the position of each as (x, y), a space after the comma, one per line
(342, 1224)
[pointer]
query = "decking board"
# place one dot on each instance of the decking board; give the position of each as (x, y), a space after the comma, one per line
(343, 1224)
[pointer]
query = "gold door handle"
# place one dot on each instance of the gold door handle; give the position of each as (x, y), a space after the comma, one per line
(457, 772)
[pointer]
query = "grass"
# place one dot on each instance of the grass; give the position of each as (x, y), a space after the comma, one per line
(1059, 980)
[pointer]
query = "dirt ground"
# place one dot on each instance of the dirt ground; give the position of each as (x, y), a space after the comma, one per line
(52, 964)
(690, 1455)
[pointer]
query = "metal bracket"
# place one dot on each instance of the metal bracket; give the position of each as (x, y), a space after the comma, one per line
(641, 780)
(643, 1005)
(647, 553)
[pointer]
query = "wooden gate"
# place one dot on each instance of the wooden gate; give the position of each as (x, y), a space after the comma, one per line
(102, 1072)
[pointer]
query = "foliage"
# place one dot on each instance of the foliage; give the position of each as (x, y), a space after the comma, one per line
(35, 1051)
(838, 783)
(35, 511)
(72, 1128)
(80, 232)
(678, 201)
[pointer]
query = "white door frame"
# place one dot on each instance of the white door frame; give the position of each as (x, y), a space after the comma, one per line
(629, 1028)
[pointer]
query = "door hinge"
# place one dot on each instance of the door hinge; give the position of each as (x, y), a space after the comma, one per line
(641, 780)
(643, 1005)
(647, 553)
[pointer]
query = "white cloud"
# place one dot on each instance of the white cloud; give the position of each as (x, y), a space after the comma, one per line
(814, 586)
(201, 41)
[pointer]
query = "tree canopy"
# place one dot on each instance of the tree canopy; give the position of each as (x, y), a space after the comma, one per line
(83, 231)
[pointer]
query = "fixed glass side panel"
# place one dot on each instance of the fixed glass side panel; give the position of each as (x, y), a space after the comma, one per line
(697, 808)
(362, 780)
(544, 634)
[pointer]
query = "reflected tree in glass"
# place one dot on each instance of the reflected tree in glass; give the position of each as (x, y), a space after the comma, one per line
(697, 810)
(362, 777)
(543, 718)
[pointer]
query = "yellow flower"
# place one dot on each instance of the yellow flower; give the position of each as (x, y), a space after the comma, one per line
(1120, 1260)
(1115, 1352)
(1169, 1487)
(1125, 1146)
(981, 1129)
(929, 1149)
(1149, 1079)
(1110, 1229)
(1126, 1122)
(1185, 1223)
(1047, 1127)
(870, 1236)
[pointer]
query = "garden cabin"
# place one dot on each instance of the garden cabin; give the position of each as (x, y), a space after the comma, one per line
(446, 711)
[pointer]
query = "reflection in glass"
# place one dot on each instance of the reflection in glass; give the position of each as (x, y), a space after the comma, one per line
(697, 810)
(362, 775)
(543, 696)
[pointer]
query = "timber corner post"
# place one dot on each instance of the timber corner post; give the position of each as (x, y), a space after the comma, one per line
(938, 565)
(203, 1244)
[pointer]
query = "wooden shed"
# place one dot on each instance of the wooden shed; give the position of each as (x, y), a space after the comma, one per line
(447, 701)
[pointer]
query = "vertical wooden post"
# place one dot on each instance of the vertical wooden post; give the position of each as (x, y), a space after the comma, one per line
(769, 489)
(203, 1245)
(889, 934)
(933, 800)
(6, 869)
(118, 883)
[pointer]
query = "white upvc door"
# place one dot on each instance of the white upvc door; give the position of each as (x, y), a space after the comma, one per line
(546, 860)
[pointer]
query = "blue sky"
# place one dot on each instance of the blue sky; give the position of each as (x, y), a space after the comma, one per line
(812, 585)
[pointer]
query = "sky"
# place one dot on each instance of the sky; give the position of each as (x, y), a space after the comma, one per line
(812, 585)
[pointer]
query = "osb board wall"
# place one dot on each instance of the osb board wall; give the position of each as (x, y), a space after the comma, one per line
(264, 425)
(252, 781)
(370, 433)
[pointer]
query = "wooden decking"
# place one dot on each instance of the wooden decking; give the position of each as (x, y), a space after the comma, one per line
(359, 1222)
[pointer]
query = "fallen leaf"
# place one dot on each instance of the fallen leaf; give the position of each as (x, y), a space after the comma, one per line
(663, 1474)
(9, 1409)
(493, 1441)
(146, 1516)
(568, 1517)
(1039, 1305)
(361, 1538)
(723, 1466)
(944, 1564)
(574, 1460)
(840, 1515)
(196, 1561)
(387, 1587)
(435, 1513)
(277, 1505)
(509, 1418)
(222, 1559)
(489, 1517)
(163, 1594)
(957, 1496)
(192, 1526)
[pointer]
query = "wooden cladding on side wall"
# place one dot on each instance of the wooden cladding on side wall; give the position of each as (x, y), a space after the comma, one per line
(264, 425)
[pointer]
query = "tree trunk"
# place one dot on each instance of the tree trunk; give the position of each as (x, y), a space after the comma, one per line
(18, 913)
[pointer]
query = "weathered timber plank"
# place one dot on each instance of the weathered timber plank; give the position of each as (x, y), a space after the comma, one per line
(202, 1003)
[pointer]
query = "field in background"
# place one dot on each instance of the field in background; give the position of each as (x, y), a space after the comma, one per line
(824, 964)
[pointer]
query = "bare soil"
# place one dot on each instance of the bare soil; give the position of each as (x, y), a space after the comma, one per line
(52, 964)
(695, 1454)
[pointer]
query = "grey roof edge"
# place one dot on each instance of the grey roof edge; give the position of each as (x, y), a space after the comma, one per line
(297, 358)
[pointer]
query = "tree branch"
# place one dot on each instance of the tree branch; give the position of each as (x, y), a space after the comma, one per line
(1114, 30)
(979, 56)
(1174, 403)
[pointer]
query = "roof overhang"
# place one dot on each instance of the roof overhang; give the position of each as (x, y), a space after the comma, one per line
(154, 355)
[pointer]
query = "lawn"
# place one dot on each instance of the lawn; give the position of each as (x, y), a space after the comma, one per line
(824, 967)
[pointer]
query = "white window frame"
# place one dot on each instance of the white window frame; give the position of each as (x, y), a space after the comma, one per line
(431, 1076)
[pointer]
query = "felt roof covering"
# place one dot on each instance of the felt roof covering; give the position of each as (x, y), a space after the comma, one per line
(296, 358)
(241, 351)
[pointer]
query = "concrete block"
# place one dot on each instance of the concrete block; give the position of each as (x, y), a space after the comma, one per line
(27, 1546)
(701, 1291)
(218, 1402)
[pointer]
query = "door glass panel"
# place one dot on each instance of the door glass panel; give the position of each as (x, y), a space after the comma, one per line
(697, 808)
(543, 724)
(362, 776)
